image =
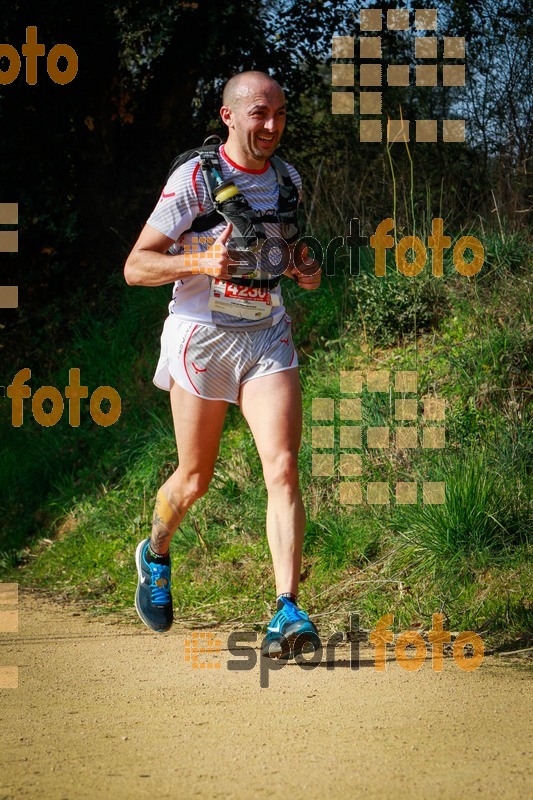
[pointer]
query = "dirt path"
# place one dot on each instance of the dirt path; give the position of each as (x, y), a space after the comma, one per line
(114, 711)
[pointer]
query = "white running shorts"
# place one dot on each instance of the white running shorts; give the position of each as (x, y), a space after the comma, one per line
(213, 363)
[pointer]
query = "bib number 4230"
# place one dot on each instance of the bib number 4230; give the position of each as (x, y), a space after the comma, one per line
(246, 292)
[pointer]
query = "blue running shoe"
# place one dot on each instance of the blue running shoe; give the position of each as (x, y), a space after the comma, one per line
(153, 600)
(290, 630)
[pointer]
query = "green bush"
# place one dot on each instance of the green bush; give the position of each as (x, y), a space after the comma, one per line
(505, 254)
(484, 515)
(394, 306)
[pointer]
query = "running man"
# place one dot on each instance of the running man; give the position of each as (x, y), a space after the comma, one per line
(213, 354)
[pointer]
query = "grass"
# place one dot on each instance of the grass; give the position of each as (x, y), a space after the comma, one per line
(485, 515)
(77, 501)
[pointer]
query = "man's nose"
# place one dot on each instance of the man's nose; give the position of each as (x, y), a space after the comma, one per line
(271, 124)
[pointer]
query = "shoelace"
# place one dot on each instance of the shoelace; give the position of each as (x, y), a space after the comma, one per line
(292, 612)
(160, 583)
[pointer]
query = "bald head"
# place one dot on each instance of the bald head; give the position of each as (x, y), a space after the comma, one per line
(253, 110)
(244, 84)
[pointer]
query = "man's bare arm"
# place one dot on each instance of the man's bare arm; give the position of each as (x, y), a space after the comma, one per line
(149, 264)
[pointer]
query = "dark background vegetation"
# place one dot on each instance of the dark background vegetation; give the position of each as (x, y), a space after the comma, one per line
(86, 162)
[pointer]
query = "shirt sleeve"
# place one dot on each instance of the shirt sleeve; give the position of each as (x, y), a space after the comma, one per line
(182, 199)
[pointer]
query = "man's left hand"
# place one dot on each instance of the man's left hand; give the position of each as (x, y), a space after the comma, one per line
(307, 273)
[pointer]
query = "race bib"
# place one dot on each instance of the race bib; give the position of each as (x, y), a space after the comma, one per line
(246, 302)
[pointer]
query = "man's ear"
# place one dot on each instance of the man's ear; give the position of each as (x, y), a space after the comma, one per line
(226, 115)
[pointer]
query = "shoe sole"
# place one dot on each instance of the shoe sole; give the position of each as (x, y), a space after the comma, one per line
(286, 651)
(138, 556)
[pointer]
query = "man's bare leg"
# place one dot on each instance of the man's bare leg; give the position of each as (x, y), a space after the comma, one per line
(198, 424)
(198, 427)
(272, 406)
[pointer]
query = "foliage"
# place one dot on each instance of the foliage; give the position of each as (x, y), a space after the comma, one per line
(86, 162)
(484, 514)
(77, 502)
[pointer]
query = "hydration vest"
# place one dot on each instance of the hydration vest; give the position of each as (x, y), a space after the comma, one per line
(231, 206)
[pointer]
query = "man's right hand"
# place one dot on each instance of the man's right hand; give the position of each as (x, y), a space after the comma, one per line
(216, 260)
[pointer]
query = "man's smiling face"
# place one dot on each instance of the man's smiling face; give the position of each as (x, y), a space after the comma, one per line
(255, 120)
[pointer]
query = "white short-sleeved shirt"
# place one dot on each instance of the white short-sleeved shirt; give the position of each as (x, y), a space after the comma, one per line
(185, 197)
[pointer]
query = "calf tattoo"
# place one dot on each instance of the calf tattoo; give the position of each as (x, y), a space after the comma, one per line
(164, 523)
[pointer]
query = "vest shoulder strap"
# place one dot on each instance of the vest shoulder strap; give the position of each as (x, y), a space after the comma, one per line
(212, 173)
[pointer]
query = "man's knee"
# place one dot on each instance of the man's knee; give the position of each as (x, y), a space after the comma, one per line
(281, 471)
(191, 486)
